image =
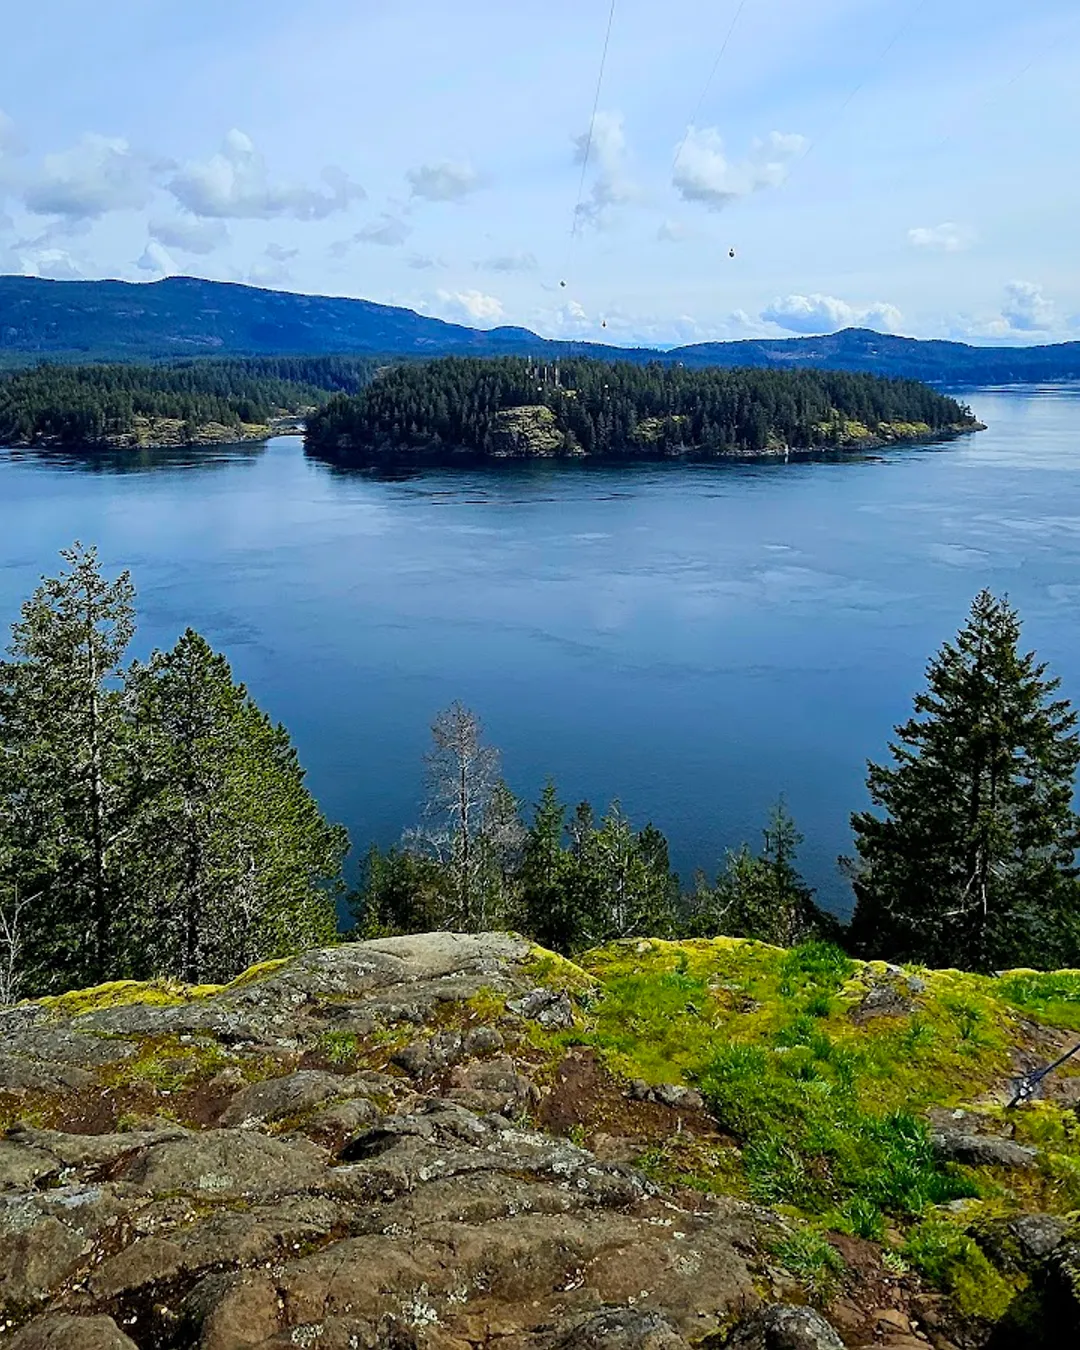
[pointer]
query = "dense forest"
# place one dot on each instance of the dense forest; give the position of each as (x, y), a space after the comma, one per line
(516, 407)
(105, 404)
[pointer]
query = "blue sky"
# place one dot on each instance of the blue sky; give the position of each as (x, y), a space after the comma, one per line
(909, 165)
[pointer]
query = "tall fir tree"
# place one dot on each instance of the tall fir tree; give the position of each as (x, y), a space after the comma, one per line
(547, 915)
(972, 863)
(68, 775)
(238, 863)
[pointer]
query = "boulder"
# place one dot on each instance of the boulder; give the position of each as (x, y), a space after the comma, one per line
(549, 1007)
(982, 1150)
(784, 1326)
(227, 1164)
(279, 1098)
(624, 1329)
(72, 1333)
(21, 1167)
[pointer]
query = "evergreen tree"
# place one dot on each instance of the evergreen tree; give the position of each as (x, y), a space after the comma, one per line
(68, 780)
(400, 891)
(763, 896)
(973, 860)
(500, 847)
(238, 863)
(547, 914)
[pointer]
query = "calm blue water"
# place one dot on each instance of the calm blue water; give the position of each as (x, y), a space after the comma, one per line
(694, 640)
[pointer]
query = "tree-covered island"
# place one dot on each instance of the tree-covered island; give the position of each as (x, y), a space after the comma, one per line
(517, 408)
(191, 402)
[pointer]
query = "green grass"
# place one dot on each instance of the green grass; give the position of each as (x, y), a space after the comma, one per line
(828, 1112)
(1050, 996)
(812, 1260)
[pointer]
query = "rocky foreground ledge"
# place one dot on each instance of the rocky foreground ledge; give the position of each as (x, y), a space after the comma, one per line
(382, 1144)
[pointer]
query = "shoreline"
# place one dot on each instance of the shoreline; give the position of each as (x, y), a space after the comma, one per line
(415, 458)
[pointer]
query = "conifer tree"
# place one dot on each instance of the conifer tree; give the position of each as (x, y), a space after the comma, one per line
(546, 914)
(67, 777)
(972, 862)
(238, 862)
(763, 896)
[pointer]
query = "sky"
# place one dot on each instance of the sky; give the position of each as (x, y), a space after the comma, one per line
(904, 165)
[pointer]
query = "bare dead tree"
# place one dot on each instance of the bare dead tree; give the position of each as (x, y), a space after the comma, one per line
(462, 775)
(13, 946)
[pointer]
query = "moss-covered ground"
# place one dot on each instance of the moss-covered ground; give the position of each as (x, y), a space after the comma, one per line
(823, 1079)
(822, 1074)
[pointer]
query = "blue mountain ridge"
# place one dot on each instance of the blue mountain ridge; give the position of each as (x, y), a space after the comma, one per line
(188, 316)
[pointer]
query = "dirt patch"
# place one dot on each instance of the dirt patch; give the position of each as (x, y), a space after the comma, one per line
(584, 1095)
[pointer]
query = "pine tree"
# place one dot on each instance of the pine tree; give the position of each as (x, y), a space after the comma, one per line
(763, 896)
(238, 863)
(973, 861)
(68, 779)
(545, 863)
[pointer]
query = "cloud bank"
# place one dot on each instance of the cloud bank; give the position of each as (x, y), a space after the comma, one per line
(445, 181)
(825, 313)
(235, 184)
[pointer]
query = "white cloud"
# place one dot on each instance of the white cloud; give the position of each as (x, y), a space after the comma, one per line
(948, 237)
(55, 263)
(825, 314)
(446, 181)
(235, 184)
(156, 258)
(422, 262)
(98, 175)
(607, 153)
(391, 231)
(472, 307)
(510, 262)
(703, 173)
(279, 253)
(190, 235)
(1026, 309)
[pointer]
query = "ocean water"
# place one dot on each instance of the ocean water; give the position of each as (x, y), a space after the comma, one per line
(694, 640)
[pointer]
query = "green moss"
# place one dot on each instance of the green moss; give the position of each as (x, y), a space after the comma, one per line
(828, 1108)
(953, 1261)
(257, 972)
(168, 1065)
(120, 993)
(553, 971)
(340, 1047)
(161, 993)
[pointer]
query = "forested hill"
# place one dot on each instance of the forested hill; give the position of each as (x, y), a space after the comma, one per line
(188, 316)
(181, 403)
(520, 408)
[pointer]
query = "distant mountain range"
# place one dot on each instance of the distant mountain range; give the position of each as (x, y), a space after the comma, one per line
(187, 316)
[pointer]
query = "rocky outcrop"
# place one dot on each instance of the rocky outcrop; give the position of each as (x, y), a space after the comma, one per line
(412, 1144)
(339, 1154)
